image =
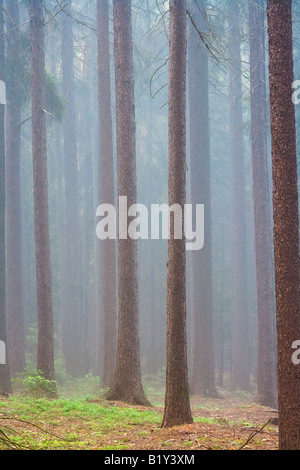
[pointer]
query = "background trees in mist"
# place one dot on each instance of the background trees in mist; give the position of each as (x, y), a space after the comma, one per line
(45, 342)
(107, 183)
(266, 375)
(203, 365)
(4, 371)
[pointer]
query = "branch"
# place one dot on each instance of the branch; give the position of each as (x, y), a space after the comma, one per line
(25, 120)
(254, 434)
(211, 49)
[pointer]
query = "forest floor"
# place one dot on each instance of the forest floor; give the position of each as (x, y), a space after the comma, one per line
(233, 422)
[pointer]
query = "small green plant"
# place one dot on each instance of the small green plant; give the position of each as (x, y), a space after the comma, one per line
(37, 386)
(188, 443)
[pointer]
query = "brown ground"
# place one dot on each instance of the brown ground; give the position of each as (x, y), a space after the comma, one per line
(235, 423)
(231, 423)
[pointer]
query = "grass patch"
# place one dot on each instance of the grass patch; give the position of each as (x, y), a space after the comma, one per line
(82, 420)
(46, 424)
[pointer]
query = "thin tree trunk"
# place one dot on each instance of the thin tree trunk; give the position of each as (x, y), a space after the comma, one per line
(45, 348)
(221, 322)
(127, 382)
(72, 343)
(240, 370)
(286, 218)
(177, 401)
(267, 377)
(88, 233)
(108, 195)
(5, 384)
(203, 376)
(15, 315)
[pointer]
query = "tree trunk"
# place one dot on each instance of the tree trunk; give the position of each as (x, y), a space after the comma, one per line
(177, 401)
(203, 376)
(286, 218)
(108, 196)
(15, 317)
(5, 384)
(267, 377)
(127, 383)
(45, 348)
(240, 370)
(72, 344)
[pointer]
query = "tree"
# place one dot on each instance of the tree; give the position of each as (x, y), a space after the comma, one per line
(127, 383)
(108, 194)
(241, 373)
(45, 348)
(286, 218)
(177, 402)
(14, 76)
(5, 385)
(203, 374)
(266, 379)
(72, 340)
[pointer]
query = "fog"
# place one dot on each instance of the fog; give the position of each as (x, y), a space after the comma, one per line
(222, 292)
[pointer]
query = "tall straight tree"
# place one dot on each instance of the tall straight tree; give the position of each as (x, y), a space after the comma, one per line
(72, 317)
(15, 321)
(45, 347)
(5, 385)
(286, 218)
(203, 374)
(266, 378)
(177, 401)
(127, 382)
(108, 193)
(240, 372)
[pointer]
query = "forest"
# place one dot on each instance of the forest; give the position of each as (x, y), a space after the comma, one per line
(149, 227)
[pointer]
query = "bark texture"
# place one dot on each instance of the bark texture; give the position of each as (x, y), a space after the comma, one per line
(177, 401)
(267, 376)
(45, 349)
(286, 218)
(127, 383)
(108, 196)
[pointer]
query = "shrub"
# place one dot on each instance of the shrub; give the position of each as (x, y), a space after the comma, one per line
(34, 384)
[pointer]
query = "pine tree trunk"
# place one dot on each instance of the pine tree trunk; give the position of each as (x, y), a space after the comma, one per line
(72, 344)
(45, 348)
(108, 197)
(127, 382)
(240, 367)
(267, 377)
(286, 218)
(15, 320)
(203, 376)
(177, 401)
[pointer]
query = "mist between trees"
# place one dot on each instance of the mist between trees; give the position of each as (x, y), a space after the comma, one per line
(163, 103)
